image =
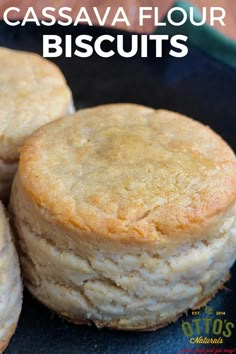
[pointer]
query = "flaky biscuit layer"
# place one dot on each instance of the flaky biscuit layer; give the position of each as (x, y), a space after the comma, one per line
(116, 285)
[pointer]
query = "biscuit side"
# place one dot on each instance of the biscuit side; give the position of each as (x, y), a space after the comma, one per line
(117, 285)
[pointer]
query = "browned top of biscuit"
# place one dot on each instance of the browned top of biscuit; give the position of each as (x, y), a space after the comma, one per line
(33, 92)
(130, 172)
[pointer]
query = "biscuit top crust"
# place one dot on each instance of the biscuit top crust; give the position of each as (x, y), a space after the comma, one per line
(33, 92)
(127, 171)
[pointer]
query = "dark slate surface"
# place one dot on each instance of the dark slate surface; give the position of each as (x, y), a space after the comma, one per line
(196, 85)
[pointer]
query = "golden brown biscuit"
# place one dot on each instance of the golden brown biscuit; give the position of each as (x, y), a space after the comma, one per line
(125, 215)
(33, 92)
(10, 283)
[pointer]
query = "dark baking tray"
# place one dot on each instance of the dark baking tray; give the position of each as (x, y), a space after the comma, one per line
(196, 85)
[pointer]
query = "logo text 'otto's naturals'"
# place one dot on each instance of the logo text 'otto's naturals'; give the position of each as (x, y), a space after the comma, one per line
(212, 329)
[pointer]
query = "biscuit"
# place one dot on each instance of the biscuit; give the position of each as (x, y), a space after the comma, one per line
(10, 280)
(33, 92)
(125, 215)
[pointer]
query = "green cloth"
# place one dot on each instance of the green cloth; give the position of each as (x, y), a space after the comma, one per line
(204, 37)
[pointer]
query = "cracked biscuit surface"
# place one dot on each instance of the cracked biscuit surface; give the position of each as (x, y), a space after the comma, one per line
(10, 281)
(125, 215)
(33, 92)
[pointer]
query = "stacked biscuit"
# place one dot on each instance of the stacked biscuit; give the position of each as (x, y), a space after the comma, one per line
(123, 219)
(11, 287)
(33, 92)
(125, 216)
